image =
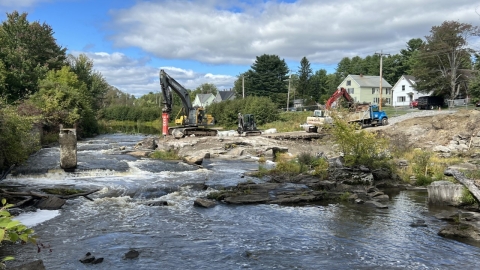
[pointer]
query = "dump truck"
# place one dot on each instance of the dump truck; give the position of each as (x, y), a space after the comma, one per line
(363, 114)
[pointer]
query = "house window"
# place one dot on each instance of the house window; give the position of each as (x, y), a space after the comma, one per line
(349, 83)
(373, 91)
(375, 100)
(350, 90)
(403, 87)
(401, 99)
(387, 91)
(389, 101)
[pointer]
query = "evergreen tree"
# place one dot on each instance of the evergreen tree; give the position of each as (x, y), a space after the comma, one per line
(304, 74)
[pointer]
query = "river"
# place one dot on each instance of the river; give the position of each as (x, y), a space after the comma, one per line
(181, 236)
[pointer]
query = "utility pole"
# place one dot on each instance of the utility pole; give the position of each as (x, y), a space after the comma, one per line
(288, 93)
(381, 78)
(243, 86)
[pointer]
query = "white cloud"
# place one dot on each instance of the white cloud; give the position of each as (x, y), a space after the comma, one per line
(323, 31)
(135, 77)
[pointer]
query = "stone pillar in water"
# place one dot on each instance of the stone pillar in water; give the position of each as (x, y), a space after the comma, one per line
(444, 192)
(68, 148)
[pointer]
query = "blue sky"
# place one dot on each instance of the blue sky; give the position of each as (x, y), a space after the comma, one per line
(213, 41)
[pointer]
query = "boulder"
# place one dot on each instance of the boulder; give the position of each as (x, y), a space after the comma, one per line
(376, 204)
(131, 254)
(51, 203)
(193, 160)
(461, 231)
(149, 143)
(204, 203)
(139, 154)
(35, 265)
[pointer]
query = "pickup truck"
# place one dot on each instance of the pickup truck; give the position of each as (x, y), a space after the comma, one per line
(365, 115)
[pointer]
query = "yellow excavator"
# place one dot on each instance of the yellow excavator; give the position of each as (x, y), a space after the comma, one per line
(191, 120)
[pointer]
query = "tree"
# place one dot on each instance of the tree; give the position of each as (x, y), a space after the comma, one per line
(319, 84)
(63, 101)
(442, 56)
(266, 78)
(28, 51)
(304, 74)
(204, 88)
(96, 85)
(408, 56)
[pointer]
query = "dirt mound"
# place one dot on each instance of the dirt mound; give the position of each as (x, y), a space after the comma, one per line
(435, 130)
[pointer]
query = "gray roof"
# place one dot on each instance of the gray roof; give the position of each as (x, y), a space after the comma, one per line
(410, 79)
(369, 81)
(226, 95)
(204, 97)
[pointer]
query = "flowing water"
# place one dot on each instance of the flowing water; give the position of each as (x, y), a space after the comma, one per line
(181, 236)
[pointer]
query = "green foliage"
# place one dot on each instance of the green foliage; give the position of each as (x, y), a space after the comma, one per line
(226, 112)
(467, 197)
(443, 56)
(13, 230)
(29, 50)
(304, 75)
(359, 147)
(423, 180)
(17, 140)
(165, 155)
(422, 162)
(345, 196)
(267, 78)
(131, 113)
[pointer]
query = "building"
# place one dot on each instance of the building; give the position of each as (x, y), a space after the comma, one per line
(203, 100)
(366, 89)
(404, 91)
(224, 95)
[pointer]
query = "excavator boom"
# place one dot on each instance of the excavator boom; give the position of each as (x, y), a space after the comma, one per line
(342, 92)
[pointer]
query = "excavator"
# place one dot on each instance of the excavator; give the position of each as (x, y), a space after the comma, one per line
(247, 125)
(192, 120)
(342, 92)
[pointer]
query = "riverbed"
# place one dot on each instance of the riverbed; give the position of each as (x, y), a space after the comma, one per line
(182, 236)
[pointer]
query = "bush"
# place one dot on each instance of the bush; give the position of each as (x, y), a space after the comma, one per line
(423, 180)
(12, 230)
(359, 147)
(165, 155)
(467, 197)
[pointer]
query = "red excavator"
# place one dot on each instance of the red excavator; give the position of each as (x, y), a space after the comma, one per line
(342, 92)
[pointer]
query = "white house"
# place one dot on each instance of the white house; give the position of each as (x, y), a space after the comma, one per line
(203, 100)
(404, 91)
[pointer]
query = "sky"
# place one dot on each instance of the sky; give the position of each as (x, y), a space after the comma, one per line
(214, 41)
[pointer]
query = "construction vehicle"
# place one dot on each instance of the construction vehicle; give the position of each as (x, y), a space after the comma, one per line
(247, 125)
(430, 102)
(191, 120)
(363, 114)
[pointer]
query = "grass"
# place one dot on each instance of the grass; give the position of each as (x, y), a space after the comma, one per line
(165, 155)
(288, 121)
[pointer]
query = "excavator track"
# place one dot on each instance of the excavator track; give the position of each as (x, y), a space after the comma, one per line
(253, 133)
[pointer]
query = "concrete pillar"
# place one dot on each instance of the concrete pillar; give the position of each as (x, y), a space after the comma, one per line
(444, 192)
(68, 148)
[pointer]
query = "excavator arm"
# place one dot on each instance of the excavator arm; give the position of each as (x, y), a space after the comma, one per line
(167, 84)
(342, 92)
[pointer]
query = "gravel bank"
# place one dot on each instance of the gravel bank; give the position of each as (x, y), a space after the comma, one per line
(419, 113)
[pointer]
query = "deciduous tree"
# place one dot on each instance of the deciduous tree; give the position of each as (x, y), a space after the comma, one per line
(441, 58)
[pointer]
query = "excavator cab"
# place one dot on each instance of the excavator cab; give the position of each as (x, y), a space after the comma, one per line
(247, 125)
